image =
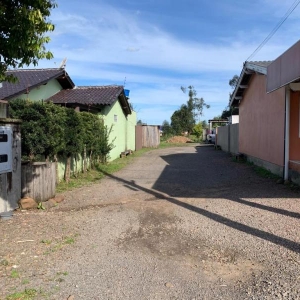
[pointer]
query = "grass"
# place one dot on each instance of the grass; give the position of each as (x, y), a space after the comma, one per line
(264, 173)
(14, 274)
(68, 240)
(27, 294)
(95, 175)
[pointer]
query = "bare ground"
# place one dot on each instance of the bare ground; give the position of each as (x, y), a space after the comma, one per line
(178, 223)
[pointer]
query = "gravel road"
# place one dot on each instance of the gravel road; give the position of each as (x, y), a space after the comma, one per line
(178, 223)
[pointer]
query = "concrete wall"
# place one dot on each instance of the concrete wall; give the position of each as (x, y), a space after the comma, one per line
(234, 139)
(261, 124)
(42, 92)
(228, 138)
(274, 168)
(223, 138)
(10, 182)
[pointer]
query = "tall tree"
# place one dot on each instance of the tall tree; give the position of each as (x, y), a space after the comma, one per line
(166, 128)
(23, 25)
(195, 104)
(183, 120)
(229, 111)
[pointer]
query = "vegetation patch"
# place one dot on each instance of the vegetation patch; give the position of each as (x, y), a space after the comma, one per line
(27, 294)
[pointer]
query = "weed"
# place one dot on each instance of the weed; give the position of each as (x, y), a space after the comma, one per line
(62, 273)
(47, 242)
(25, 281)
(68, 240)
(14, 274)
(41, 206)
(28, 294)
(264, 173)
(4, 262)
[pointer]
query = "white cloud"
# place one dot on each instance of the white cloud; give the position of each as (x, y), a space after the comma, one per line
(105, 45)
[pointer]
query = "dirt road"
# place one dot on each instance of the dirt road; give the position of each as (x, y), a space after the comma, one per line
(178, 223)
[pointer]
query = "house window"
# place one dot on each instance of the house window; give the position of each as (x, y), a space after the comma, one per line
(115, 118)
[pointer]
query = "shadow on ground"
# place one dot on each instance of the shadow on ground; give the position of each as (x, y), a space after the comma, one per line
(208, 173)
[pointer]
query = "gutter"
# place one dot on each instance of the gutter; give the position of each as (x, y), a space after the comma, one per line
(287, 133)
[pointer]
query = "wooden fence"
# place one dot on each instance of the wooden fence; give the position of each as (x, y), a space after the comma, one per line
(38, 180)
(151, 137)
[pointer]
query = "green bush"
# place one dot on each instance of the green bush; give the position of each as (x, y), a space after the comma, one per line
(48, 130)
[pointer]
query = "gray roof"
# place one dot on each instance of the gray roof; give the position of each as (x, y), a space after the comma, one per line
(249, 68)
(92, 96)
(32, 78)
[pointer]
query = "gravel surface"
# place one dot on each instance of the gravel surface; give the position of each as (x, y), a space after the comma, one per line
(178, 223)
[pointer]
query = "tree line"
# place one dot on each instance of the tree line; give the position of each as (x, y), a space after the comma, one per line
(187, 118)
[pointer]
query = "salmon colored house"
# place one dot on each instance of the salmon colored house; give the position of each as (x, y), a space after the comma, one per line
(268, 95)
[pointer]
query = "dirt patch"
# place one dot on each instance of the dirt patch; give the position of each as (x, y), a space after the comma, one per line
(179, 139)
(159, 234)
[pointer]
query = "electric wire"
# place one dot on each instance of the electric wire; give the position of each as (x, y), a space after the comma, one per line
(287, 14)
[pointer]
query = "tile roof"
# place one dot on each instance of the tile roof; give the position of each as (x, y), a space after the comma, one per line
(88, 95)
(92, 96)
(264, 63)
(249, 68)
(31, 78)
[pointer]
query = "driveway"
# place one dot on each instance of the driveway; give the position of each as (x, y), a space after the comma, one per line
(178, 223)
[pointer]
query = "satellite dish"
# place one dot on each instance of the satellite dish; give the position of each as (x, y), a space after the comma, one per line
(63, 63)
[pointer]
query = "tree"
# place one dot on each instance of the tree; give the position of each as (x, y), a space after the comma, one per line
(196, 105)
(23, 25)
(198, 130)
(234, 81)
(183, 120)
(229, 111)
(167, 129)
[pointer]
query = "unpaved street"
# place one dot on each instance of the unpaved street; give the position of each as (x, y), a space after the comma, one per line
(178, 223)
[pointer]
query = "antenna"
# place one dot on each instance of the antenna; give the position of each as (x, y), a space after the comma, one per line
(63, 63)
(124, 81)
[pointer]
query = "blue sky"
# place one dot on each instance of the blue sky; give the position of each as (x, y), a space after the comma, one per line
(159, 46)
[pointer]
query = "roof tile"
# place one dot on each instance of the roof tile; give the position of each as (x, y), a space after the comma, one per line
(88, 95)
(30, 78)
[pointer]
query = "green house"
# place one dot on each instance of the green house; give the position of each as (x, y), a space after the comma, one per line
(112, 104)
(55, 85)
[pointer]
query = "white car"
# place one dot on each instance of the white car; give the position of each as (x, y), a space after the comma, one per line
(211, 138)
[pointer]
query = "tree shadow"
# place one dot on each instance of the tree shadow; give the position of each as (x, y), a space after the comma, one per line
(208, 173)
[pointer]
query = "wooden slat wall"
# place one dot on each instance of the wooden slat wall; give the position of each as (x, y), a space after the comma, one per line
(39, 181)
(151, 137)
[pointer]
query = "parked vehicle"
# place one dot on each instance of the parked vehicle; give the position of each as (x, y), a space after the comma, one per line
(211, 138)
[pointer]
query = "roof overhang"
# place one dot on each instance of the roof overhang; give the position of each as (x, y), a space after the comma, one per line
(124, 103)
(285, 69)
(248, 70)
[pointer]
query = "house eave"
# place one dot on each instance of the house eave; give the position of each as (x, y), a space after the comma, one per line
(248, 70)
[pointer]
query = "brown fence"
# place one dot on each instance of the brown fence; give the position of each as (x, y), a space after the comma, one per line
(138, 137)
(151, 137)
(38, 181)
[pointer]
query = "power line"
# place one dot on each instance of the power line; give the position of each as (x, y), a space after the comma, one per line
(287, 14)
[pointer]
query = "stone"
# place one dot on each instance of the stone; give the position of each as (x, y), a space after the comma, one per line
(27, 203)
(50, 203)
(169, 285)
(59, 199)
(71, 297)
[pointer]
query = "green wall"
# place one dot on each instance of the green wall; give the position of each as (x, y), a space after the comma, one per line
(123, 129)
(42, 92)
